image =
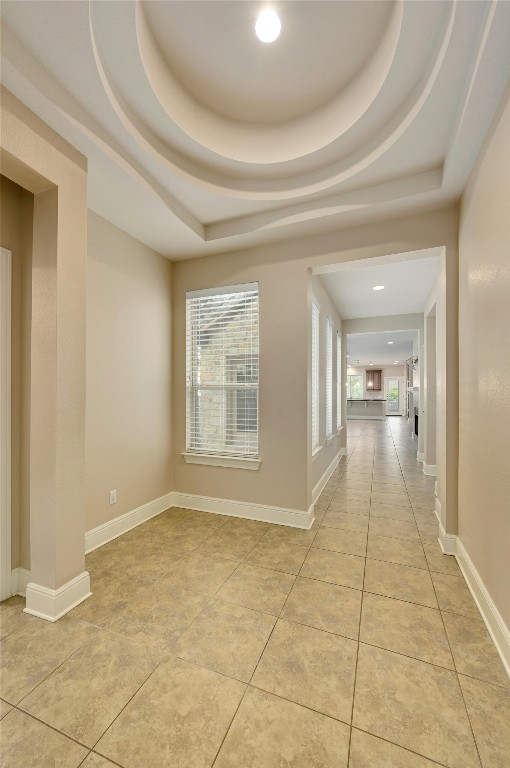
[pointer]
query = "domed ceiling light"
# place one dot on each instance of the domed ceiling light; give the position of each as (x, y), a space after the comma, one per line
(268, 26)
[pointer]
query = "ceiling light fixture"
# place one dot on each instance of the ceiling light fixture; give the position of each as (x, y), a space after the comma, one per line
(268, 26)
(378, 288)
(396, 362)
(390, 342)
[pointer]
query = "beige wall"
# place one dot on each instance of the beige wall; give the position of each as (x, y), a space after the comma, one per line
(282, 271)
(128, 423)
(484, 398)
(329, 449)
(16, 209)
(38, 159)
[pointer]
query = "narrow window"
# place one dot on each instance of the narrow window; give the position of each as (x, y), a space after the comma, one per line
(329, 377)
(222, 370)
(315, 375)
(338, 381)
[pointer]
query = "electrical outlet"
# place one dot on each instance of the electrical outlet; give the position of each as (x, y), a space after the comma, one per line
(113, 497)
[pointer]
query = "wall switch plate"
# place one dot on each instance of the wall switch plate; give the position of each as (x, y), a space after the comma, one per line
(113, 497)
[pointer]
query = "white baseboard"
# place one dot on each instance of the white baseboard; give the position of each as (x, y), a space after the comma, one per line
(437, 510)
(319, 487)
(429, 469)
(19, 580)
(447, 541)
(104, 533)
(52, 604)
(343, 452)
(493, 620)
(279, 515)
(420, 456)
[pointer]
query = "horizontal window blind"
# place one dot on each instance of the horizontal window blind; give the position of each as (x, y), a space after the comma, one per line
(329, 377)
(338, 381)
(315, 375)
(222, 370)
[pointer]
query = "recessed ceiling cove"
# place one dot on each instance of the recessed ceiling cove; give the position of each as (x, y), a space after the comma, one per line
(356, 112)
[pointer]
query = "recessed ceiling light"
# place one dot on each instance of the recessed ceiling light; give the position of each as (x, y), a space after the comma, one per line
(395, 363)
(371, 363)
(268, 26)
(390, 342)
(378, 288)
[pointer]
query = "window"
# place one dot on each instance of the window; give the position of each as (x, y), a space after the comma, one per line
(222, 371)
(315, 375)
(338, 381)
(329, 377)
(355, 387)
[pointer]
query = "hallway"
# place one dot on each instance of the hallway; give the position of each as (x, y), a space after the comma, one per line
(219, 641)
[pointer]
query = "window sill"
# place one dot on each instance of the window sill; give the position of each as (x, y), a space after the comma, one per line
(339, 430)
(213, 460)
(330, 439)
(316, 451)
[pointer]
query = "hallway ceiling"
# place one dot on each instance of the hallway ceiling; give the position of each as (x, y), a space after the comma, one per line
(201, 139)
(408, 281)
(366, 348)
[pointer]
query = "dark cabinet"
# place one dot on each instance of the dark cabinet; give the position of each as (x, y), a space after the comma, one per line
(374, 380)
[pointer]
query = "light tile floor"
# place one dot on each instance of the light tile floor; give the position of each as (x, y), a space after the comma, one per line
(212, 641)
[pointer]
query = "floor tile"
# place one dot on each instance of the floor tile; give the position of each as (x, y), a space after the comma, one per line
(309, 667)
(199, 573)
(400, 581)
(391, 498)
(439, 562)
(414, 705)
(158, 616)
(370, 752)
(488, 707)
(230, 544)
(349, 506)
(396, 551)
(258, 588)
(389, 512)
(394, 529)
(412, 630)
(324, 606)
(12, 616)
(22, 738)
(269, 732)
(339, 540)
(453, 595)
(178, 719)
(346, 521)
(473, 650)
(291, 535)
(334, 567)
(112, 591)
(4, 708)
(278, 555)
(93, 760)
(226, 638)
(32, 653)
(83, 696)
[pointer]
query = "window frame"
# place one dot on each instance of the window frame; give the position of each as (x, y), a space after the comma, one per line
(349, 390)
(218, 453)
(315, 366)
(329, 378)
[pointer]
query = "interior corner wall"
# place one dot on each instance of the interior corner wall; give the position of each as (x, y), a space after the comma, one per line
(17, 210)
(484, 397)
(329, 449)
(280, 480)
(282, 270)
(128, 416)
